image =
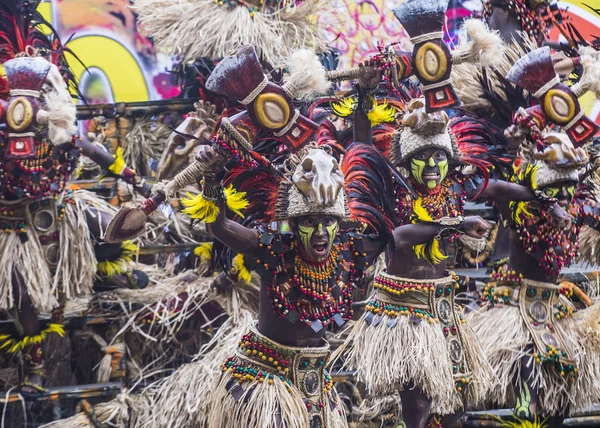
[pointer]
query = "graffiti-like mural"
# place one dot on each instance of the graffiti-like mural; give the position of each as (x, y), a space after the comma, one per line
(123, 65)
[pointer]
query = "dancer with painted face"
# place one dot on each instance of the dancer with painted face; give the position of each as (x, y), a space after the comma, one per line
(534, 337)
(412, 337)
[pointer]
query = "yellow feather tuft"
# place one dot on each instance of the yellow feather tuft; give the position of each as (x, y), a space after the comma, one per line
(204, 252)
(421, 213)
(14, 345)
(200, 208)
(110, 268)
(243, 274)
(345, 107)
(118, 165)
(236, 201)
(381, 113)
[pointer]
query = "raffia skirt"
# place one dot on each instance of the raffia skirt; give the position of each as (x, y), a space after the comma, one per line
(530, 325)
(269, 385)
(47, 244)
(413, 335)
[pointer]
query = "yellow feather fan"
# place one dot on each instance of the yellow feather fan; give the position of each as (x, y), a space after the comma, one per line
(204, 252)
(13, 345)
(110, 268)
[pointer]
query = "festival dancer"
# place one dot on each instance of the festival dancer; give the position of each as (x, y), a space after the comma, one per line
(543, 364)
(412, 336)
(50, 235)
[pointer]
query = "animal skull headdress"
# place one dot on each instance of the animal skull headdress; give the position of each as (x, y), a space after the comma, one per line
(314, 184)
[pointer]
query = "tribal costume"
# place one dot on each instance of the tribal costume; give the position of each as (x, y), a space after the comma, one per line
(47, 231)
(412, 332)
(544, 357)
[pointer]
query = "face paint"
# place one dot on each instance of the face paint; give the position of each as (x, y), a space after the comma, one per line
(571, 190)
(306, 233)
(332, 231)
(443, 166)
(551, 191)
(417, 167)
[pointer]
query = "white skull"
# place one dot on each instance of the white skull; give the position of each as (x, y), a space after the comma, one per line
(319, 178)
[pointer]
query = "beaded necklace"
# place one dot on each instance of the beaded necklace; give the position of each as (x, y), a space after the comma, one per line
(320, 295)
(446, 200)
(540, 238)
(44, 175)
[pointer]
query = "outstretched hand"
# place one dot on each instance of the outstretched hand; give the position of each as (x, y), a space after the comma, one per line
(370, 75)
(475, 227)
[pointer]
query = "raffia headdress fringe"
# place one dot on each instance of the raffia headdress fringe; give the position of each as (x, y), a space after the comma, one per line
(177, 25)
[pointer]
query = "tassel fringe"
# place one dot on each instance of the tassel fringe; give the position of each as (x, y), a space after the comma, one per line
(207, 211)
(13, 345)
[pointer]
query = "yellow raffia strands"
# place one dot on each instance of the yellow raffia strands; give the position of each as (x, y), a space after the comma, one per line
(12, 345)
(204, 252)
(435, 256)
(200, 208)
(110, 268)
(381, 113)
(118, 165)
(236, 201)
(345, 107)
(239, 267)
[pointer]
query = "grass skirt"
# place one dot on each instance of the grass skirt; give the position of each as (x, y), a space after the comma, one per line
(400, 343)
(509, 347)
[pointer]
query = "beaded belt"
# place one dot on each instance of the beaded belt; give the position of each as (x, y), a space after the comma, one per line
(429, 299)
(261, 359)
(539, 307)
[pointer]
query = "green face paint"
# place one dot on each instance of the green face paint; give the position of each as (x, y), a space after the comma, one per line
(571, 190)
(417, 167)
(551, 191)
(306, 234)
(332, 231)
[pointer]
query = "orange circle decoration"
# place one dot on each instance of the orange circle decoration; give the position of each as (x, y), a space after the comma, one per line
(559, 106)
(431, 62)
(272, 110)
(19, 114)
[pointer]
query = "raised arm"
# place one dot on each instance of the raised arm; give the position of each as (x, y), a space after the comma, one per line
(503, 191)
(239, 238)
(409, 235)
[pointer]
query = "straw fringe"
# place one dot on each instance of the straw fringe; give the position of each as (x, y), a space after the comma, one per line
(177, 25)
(386, 359)
(77, 261)
(505, 338)
(28, 260)
(180, 401)
(258, 406)
(589, 240)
